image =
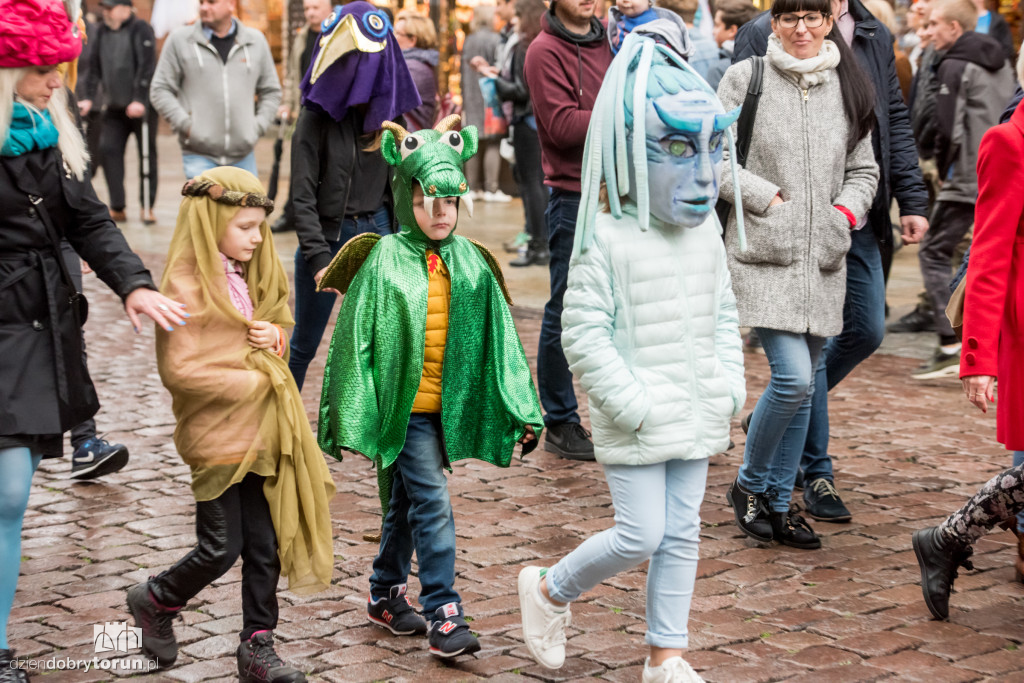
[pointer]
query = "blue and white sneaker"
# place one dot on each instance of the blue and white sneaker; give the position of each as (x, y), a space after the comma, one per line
(97, 457)
(449, 634)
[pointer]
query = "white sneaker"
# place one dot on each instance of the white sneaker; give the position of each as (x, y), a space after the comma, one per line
(543, 624)
(672, 670)
(478, 195)
(497, 196)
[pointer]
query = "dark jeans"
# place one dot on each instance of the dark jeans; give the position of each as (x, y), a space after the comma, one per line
(950, 222)
(530, 177)
(420, 516)
(116, 127)
(312, 308)
(238, 523)
(87, 430)
(554, 381)
(863, 330)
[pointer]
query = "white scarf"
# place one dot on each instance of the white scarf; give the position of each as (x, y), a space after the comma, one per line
(806, 72)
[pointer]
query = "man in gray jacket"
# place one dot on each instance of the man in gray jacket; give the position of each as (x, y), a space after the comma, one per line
(206, 82)
(973, 84)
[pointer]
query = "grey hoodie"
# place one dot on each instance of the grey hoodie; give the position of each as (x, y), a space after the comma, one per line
(210, 104)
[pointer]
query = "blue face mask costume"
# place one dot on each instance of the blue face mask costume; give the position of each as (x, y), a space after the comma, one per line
(656, 136)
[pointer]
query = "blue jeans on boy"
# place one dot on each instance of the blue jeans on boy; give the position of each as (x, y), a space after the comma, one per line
(554, 380)
(197, 164)
(419, 517)
(863, 331)
(657, 516)
(778, 426)
(313, 308)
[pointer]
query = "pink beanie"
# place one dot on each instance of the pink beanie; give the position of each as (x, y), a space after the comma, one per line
(36, 33)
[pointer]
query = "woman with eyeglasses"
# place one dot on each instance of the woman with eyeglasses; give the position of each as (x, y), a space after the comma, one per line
(809, 179)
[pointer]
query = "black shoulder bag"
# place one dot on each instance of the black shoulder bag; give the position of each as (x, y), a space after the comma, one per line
(744, 129)
(77, 300)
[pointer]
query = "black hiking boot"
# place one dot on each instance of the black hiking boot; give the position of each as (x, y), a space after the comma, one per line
(939, 559)
(789, 528)
(751, 511)
(156, 622)
(258, 662)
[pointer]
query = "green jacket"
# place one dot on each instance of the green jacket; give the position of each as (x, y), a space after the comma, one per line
(375, 360)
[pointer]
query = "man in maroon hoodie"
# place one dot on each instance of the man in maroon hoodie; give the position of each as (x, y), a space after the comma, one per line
(564, 68)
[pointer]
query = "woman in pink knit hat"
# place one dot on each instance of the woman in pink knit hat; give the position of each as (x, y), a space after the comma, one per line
(47, 197)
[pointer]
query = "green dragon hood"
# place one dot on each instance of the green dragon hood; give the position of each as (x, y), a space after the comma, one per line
(434, 159)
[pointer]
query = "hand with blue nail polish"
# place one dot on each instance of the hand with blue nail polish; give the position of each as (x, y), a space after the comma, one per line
(165, 312)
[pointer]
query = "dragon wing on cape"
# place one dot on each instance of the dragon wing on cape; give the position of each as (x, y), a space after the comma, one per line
(349, 260)
(492, 263)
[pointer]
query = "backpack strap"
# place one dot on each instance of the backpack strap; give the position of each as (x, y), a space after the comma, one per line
(745, 125)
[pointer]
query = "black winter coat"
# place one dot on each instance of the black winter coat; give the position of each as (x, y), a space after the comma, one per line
(892, 139)
(331, 176)
(45, 387)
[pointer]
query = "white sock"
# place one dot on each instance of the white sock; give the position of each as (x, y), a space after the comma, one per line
(950, 349)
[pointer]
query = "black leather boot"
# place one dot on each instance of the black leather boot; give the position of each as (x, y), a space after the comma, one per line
(939, 558)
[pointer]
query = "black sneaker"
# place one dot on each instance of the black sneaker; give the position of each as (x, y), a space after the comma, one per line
(939, 559)
(8, 672)
(751, 511)
(258, 662)
(915, 321)
(941, 365)
(569, 440)
(156, 621)
(822, 502)
(396, 613)
(752, 343)
(745, 422)
(791, 529)
(798, 483)
(449, 634)
(282, 225)
(97, 457)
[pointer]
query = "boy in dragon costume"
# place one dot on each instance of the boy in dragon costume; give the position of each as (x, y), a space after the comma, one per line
(425, 368)
(649, 328)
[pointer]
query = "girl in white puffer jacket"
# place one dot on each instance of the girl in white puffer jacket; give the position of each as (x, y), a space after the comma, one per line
(650, 329)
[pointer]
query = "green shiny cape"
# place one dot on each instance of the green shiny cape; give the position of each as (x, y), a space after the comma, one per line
(375, 360)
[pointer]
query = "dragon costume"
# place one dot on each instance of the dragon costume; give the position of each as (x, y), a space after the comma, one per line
(376, 355)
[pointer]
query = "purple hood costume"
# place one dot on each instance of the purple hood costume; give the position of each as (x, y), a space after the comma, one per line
(357, 61)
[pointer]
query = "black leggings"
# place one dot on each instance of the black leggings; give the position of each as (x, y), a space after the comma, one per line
(530, 177)
(236, 523)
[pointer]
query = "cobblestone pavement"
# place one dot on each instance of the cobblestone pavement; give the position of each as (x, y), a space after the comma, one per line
(906, 454)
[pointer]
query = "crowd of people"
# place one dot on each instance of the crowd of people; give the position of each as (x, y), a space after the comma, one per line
(678, 187)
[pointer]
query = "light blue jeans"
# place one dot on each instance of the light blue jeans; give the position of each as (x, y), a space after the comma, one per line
(657, 516)
(778, 427)
(17, 465)
(195, 164)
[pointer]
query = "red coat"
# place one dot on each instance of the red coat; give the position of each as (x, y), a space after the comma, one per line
(994, 305)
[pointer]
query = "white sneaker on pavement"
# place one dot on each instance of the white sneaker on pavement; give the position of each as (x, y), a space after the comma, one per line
(672, 670)
(497, 196)
(543, 624)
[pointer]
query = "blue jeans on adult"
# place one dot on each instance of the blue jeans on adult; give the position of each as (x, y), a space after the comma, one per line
(778, 426)
(419, 517)
(196, 164)
(554, 380)
(863, 330)
(657, 516)
(17, 465)
(313, 308)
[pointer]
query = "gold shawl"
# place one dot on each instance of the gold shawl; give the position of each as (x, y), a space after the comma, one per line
(237, 407)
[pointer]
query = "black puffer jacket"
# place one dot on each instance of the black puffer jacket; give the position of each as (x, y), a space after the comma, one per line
(892, 140)
(44, 385)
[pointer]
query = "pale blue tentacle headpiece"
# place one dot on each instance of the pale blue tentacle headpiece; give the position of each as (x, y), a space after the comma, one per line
(606, 155)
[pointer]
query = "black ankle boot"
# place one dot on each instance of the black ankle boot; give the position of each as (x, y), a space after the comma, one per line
(789, 528)
(9, 674)
(939, 559)
(258, 662)
(751, 510)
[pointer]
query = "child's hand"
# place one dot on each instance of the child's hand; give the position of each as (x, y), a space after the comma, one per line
(529, 435)
(263, 335)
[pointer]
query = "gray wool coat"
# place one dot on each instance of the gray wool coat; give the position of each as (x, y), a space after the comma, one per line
(793, 275)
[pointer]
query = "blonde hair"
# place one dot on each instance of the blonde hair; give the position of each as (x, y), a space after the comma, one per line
(883, 11)
(962, 12)
(419, 27)
(69, 140)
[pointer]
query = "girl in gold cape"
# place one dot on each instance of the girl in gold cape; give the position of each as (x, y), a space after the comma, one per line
(241, 425)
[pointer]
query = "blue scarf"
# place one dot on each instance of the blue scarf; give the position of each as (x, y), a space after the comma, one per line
(29, 131)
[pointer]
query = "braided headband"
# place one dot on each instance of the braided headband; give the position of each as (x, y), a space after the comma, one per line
(202, 187)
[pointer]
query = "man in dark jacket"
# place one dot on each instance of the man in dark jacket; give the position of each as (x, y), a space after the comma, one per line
(974, 82)
(564, 68)
(123, 58)
(864, 310)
